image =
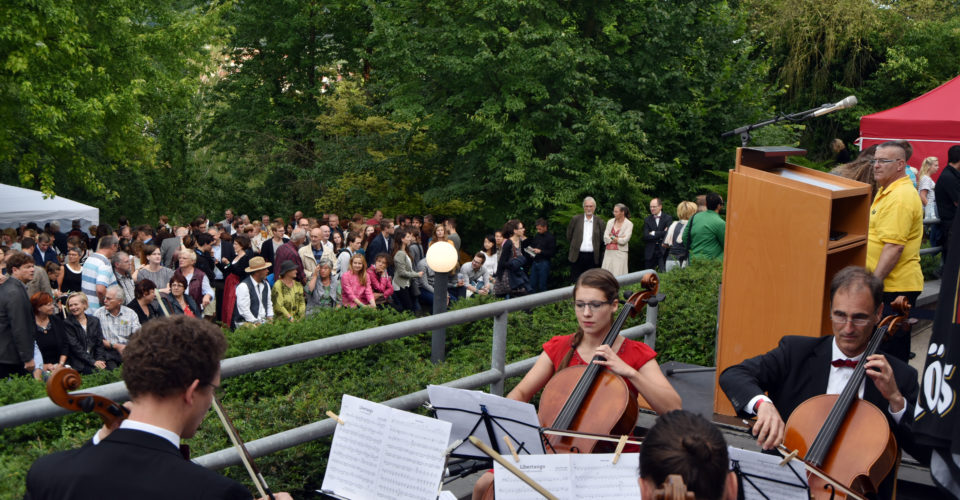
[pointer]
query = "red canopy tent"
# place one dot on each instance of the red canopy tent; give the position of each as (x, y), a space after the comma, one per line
(930, 122)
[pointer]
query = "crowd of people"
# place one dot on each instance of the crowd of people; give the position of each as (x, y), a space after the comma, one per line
(88, 290)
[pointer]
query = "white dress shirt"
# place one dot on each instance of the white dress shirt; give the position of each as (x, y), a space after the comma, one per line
(586, 245)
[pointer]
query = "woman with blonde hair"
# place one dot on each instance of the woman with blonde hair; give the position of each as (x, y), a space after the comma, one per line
(673, 242)
(926, 185)
(355, 288)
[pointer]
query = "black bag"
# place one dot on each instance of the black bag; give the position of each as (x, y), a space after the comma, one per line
(677, 250)
(501, 287)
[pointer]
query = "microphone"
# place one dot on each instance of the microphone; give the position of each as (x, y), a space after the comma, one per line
(847, 102)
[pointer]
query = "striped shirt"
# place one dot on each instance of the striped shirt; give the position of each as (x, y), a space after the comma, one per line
(96, 271)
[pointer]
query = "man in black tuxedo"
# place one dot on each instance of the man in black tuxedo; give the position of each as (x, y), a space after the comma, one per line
(381, 243)
(171, 368)
(654, 230)
(803, 367)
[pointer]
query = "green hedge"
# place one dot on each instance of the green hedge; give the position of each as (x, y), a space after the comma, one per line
(281, 398)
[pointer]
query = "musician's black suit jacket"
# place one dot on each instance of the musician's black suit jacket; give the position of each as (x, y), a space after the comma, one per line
(127, 464)
(799, 368)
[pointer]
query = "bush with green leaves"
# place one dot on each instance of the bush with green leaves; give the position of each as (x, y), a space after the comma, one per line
(281, 398)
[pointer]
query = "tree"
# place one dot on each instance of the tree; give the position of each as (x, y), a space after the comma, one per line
(88, 89)
(533, 105)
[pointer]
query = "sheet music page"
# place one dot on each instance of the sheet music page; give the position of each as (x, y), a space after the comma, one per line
(596, 477)
(465, 424)
(571, 477)
(381, 452)
(757, 464)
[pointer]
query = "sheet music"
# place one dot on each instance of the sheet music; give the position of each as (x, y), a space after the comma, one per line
(465, 424)
(382, 452)
(759, 466)
(570, 476)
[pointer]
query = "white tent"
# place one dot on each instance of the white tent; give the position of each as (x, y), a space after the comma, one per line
(20, 206)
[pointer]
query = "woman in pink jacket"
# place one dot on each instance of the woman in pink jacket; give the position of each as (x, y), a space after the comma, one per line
(355, 286)
(380, 281)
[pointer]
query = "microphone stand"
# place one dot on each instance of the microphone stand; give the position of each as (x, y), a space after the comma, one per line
(744, 131)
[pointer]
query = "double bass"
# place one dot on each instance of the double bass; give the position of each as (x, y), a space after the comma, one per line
(844, 437)
(575, 392)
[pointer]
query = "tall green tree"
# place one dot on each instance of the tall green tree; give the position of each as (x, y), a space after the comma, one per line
(89, 92)
(533, 105)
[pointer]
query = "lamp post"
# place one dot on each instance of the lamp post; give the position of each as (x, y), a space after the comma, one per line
(441, 258)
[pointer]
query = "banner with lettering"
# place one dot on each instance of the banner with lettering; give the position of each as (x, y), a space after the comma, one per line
(937, 417)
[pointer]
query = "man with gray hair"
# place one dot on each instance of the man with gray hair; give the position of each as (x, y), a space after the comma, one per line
(121, 271)
(97, 273)
(290, 251)
(118, 323)
(585, 234)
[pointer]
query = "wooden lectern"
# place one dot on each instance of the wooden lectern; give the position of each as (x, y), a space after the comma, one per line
(789, 230)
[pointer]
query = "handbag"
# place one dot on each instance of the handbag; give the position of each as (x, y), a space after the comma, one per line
(501, 287)
(612, 246)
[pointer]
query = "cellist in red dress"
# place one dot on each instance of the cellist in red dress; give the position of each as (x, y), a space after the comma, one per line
(595, 302)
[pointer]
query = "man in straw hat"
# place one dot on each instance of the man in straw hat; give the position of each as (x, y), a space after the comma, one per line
(253, 295)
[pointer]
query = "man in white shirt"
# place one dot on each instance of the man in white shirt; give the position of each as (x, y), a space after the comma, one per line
(254, 304)
(585, 234)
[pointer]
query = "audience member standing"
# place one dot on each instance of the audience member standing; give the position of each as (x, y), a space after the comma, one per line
(381, 243)
(268, 248)
(49, 333)
(170, 246)
(616, 237)
(585, 234)
(153, 269)
(403, 269)
(16, 317)
(71, 272)
(544, 247)
(98, 272)
(948, 196)
(254, 303)
(704, 234)
(290, 251)
(655, 228)
(44, 252)
(893, 239)
(451, 229)
(121, 271)
(677, 254)
(288, 300)
(320, 247)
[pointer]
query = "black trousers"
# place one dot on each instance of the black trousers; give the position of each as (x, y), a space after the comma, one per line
(898, 344)
(585, 260)
(11, 370)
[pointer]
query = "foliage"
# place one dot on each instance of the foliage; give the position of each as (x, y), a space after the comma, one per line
(288, 396)
(95, 92)
(535, 105)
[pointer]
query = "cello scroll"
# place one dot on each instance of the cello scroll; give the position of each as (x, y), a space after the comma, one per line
(67, 379)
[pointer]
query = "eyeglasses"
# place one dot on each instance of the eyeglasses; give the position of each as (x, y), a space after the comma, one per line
(841, 319)
(178, 285)
(593, 305)
(884, 161)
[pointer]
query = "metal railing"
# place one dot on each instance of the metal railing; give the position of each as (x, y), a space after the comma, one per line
(40, 409)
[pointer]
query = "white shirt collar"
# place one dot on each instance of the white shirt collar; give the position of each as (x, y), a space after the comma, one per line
(167, 434)
(838, 354)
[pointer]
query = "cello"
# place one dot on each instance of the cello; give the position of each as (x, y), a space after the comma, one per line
(577, 391)
(844, 437)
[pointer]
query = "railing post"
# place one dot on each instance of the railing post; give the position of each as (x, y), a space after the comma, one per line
(651, 338)
(498, 353)
(438, 341)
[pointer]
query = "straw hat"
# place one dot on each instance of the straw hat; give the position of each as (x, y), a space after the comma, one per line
(256, 264)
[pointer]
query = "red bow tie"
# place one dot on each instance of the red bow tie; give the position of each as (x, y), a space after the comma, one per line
(844, 363)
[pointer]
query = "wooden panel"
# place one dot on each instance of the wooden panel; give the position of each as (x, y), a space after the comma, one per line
(778, 256)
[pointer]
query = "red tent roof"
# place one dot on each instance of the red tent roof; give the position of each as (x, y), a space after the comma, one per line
(934, 115)
(930, 122)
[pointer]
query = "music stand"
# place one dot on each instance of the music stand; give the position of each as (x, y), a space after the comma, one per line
(487, 417)
(760, 476)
